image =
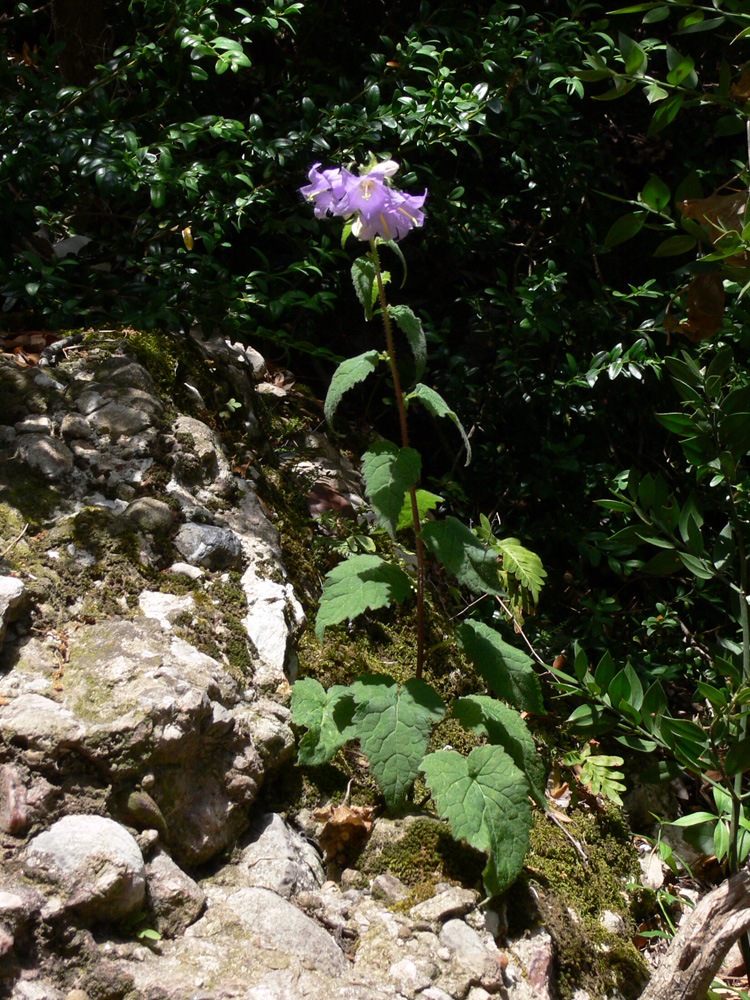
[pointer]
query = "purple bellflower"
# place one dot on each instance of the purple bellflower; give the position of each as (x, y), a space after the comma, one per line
(379, 209)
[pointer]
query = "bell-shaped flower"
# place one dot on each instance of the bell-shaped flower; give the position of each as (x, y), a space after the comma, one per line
(326, 189)
(378, 209)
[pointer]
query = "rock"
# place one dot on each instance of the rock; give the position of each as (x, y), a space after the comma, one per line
(12, 599)
(613, 922)
(449, 903)
(149, 515)
(118, 420)
(200, 459)
(74, 425)
(279, 859)
(35, 989)
(274, 617)
(165, 608)
(14, 814)
(529, 966)
(35, 423)
(278, 924)
(185, 569)
(388, 888)
(207, 546)
(45, 454)
(138, 700)
(94, 862)
(175, 899)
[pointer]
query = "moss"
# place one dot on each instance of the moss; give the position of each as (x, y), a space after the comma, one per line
(572, 896)
(424, 855)
(29, 493)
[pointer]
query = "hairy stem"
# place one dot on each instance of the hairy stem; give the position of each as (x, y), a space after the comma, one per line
(401, 406)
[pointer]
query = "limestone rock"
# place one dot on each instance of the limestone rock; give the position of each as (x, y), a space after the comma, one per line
(273, 618)
(207, 546)
(451, 902)
(94, 862)
(137, 699)
(12, 597)
(46, 454)
(200, 459)
(164, 607)
(279, 859)
(149, 515)
(175, 899)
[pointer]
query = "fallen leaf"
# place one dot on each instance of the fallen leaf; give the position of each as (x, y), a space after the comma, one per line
(346, 830)
(704, 307)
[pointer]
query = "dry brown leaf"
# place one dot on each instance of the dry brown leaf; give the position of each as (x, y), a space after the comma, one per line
(322, 498)
(704, 306)
(740, 91)
(720, 213)
(346, 830)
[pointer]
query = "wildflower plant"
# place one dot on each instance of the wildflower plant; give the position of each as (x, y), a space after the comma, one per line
(486, 796)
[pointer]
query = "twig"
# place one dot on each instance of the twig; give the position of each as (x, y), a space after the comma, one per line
(584, 856)
(15, 541)
(521, 632)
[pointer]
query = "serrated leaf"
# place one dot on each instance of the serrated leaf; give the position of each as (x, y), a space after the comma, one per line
(393, 724)
(485, 799)
(508, 671)
(326, 716)
(363, 279)
(425, 501)
(524, 565)
(437, 406)
(504, 727)
(462, 554)
(346, 376)
(390, 472)
(411, 326)
(359, 584)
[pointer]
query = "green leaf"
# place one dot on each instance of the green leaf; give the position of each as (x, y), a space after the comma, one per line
(504, 727)
(363, 278)
(390, 472)
(524, 565)
(508, 671)
(426, 501)
(665, 113)
(624, 228)
(346, 376)
(737, 760)
(356, 585)
(326, 715)
(437, 406)
(698, 567)
(463, 555)
(411, 326)
(393, 724)
(485, 799)
(655, 194)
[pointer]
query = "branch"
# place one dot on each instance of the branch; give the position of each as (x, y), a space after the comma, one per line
(697, 950)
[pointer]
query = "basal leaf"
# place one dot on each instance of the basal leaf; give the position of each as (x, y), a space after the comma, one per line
(411, 326)
(438, 407)
(347, 375)
(425, 501)
(390, 472)
(485, 798)
(508, 671)
(462, 554)
(356, 585)
(393, 724)
(327, 717)
(504, 727)
(524, 565)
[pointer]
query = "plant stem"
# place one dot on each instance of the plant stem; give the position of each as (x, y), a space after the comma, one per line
(401, 406)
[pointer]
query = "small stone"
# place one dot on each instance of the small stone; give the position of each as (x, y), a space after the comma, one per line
(47, 455)
(74, 425)
(165, 608)
(119, 421)
(14, 815)
(6, 940)
(449, 903)
(613, 922)
(207, 546)
(94, 861)
(388, 888)
(176, 900)
(185, 569)
(12, 598)
(149, 515)
(35, 423)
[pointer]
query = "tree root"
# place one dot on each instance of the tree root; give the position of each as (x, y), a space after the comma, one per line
(700, 945)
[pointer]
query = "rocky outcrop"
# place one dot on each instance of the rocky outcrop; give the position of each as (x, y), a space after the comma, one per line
(150, 627)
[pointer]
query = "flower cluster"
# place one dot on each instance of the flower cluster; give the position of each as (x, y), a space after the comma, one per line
(380, 210)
